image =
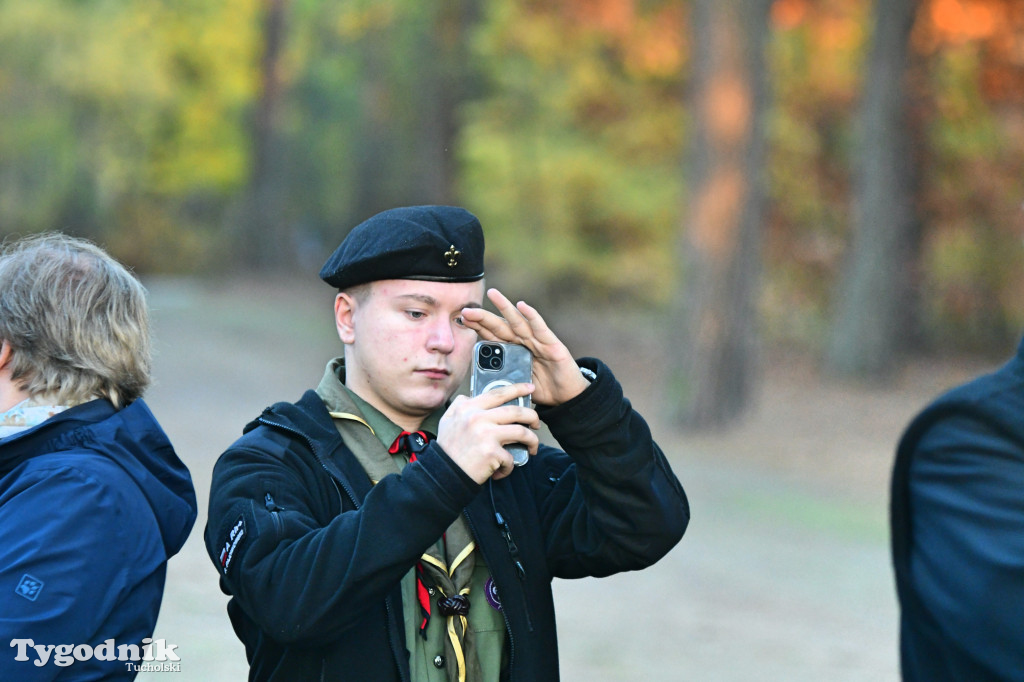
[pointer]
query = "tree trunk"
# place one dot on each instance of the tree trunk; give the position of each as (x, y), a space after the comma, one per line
(262, 235)
(715, 331)
(876, 305)
(407, 146)
(375, 153)
(446, 84)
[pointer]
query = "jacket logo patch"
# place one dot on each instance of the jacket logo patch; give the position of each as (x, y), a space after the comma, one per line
(29, 587)
(491, 592)
(231, 544)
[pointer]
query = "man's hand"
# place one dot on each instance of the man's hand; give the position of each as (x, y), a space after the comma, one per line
(555, 373)
(474, 431)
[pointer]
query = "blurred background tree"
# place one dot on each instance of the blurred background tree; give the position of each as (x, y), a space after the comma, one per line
(122, 122)
(876, 311)
(965, 66)
(190, 135)
(720, 247)
(572, 149)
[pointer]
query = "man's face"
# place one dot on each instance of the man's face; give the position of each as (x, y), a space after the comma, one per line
(407, 350)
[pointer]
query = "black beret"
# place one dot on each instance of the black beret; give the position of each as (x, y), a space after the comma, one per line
(438, 243)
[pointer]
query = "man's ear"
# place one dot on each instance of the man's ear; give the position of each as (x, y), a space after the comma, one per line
(344, 317)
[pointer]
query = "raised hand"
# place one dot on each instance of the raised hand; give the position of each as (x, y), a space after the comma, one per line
(555, 374)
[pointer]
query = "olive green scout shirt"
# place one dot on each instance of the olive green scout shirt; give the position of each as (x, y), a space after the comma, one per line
(426, 660)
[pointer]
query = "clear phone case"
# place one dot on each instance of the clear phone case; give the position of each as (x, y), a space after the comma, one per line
(501, 364)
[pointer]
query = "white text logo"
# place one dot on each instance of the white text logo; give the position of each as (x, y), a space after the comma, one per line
(64, 655)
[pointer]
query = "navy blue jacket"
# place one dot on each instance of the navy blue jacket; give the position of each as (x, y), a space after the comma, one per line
(957, 518)
(93, 502)
(313, 555)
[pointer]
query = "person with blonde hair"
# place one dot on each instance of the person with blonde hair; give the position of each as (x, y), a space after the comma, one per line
(93, 498)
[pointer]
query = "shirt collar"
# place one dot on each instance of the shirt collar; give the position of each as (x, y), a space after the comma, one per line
(340, 398)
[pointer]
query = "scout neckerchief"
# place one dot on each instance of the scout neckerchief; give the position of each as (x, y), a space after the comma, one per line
(450, 574)
(410, 445)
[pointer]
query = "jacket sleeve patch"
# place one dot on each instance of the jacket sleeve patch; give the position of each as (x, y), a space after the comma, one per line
(231, 544)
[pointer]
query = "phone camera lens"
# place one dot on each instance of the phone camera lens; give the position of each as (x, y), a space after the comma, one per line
(489, 357)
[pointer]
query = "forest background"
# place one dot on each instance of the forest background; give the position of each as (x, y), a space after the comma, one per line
(722, 165)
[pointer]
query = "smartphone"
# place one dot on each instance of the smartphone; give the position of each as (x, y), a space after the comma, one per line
(502, 364)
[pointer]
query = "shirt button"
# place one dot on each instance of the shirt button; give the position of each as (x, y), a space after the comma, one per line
(430, 591)
(438, 661)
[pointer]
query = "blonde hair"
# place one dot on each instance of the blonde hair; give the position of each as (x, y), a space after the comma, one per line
(75, 319)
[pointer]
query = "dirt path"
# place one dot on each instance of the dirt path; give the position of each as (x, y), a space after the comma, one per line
(783, 574)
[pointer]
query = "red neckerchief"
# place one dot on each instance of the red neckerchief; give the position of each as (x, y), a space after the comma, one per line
(413, 442)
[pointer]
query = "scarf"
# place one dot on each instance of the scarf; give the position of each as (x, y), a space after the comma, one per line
(25, 415)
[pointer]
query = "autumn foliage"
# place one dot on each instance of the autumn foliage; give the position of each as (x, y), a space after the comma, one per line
(967, 66)
(132, 122)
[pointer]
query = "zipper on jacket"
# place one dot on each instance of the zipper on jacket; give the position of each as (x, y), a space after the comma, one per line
(508, 624)
(272, 507)
(513, 548)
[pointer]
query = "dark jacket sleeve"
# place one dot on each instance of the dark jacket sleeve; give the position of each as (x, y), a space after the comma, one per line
(966, 558)
(610, 503)
(303, 571)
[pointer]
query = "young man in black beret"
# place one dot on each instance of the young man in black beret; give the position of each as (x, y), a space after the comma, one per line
(357, 546)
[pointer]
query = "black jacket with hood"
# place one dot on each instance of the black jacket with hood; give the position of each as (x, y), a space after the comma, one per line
(313, 554)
